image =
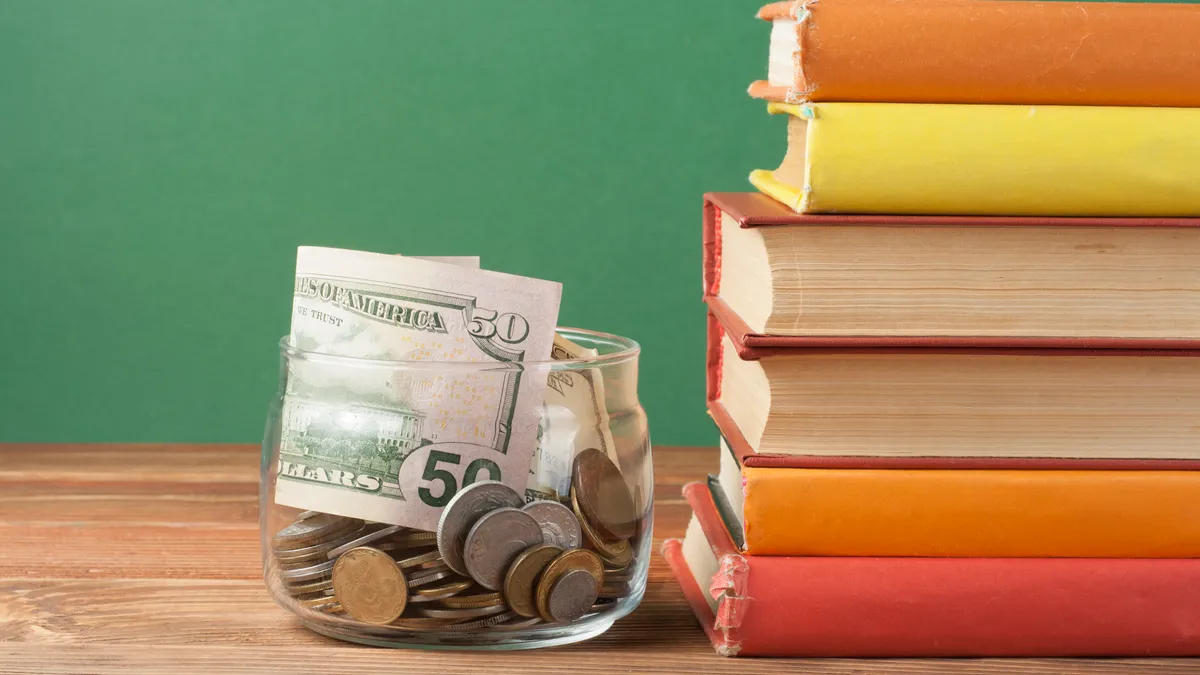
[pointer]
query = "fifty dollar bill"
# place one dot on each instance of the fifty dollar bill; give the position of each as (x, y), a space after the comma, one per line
(394, 445)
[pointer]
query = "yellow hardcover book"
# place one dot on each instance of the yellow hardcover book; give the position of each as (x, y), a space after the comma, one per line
(1019, 160)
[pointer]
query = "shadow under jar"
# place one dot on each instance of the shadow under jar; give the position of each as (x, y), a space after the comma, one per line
(459, 505)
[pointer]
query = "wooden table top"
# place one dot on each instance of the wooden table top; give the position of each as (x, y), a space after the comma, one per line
(120, 559)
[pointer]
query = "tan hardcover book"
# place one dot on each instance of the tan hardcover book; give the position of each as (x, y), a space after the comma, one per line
(843, 400)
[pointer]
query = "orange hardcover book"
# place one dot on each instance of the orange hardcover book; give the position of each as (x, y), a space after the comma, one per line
(967, 513)
(1000, 51)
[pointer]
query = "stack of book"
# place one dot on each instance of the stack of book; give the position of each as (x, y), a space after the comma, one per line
(953, 339)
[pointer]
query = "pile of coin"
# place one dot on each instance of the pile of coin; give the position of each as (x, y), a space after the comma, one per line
(494, 562)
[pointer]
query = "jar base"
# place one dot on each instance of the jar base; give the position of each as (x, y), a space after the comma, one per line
(478, 641)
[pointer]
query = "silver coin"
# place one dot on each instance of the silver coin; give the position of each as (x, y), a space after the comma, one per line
(468, 613)
(572, 595)
(518, 625)
(494, 541)
(316, 551)
(313, 530)
(308, 573)
(482, 623)
(559, 525)
(364, 540)
(464, 509)
(429, 578)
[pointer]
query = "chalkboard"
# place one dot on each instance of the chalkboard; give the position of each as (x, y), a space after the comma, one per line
(161, 160)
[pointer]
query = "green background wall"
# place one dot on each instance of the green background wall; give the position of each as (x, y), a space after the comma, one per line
(161, 160)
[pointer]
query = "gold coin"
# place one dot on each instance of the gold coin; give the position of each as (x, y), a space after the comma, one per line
(370, 585)
(618, 554)
(471, 601)
(520, 582)
(578, 559)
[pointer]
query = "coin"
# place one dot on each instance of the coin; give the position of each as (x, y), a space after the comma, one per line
(519, 624)
(579, 558)
(614, 590)
(454, 587)
(461, 513)
(313, 530)
(364, 540)
(483, 623)
(426, 579)
(311, 587)
(559, 525)
(422, 623)
(308, 573)
(369, 585)
(618, 553)
(472, 601)
(494, 540)
(572, 595)
(420, 559)
(464, 613)
(415, 538)
(603, 496)
(443, 595)
(318, 601)
(520, 582)
(318, 550)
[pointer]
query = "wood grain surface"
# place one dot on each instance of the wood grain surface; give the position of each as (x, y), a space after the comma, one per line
(145, 559)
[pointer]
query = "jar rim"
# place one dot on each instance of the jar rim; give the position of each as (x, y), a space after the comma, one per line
(627, 349)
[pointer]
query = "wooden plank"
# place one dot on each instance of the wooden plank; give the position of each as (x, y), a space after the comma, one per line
(585, 658)
(129, 504)
(158, 611)
(153, 463)
(139, 559)
(57, 548)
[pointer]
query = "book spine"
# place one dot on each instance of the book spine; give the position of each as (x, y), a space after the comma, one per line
(1000, 160)
(711, 264)
(1004, 51)
(970, 513)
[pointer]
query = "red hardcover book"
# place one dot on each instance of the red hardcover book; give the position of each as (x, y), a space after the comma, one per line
(930, 607)
(780, 279)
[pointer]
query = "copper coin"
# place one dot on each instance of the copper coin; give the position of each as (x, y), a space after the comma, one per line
(617, 553)
(603, 495)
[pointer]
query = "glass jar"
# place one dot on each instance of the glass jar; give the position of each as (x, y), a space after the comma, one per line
(383, 523)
